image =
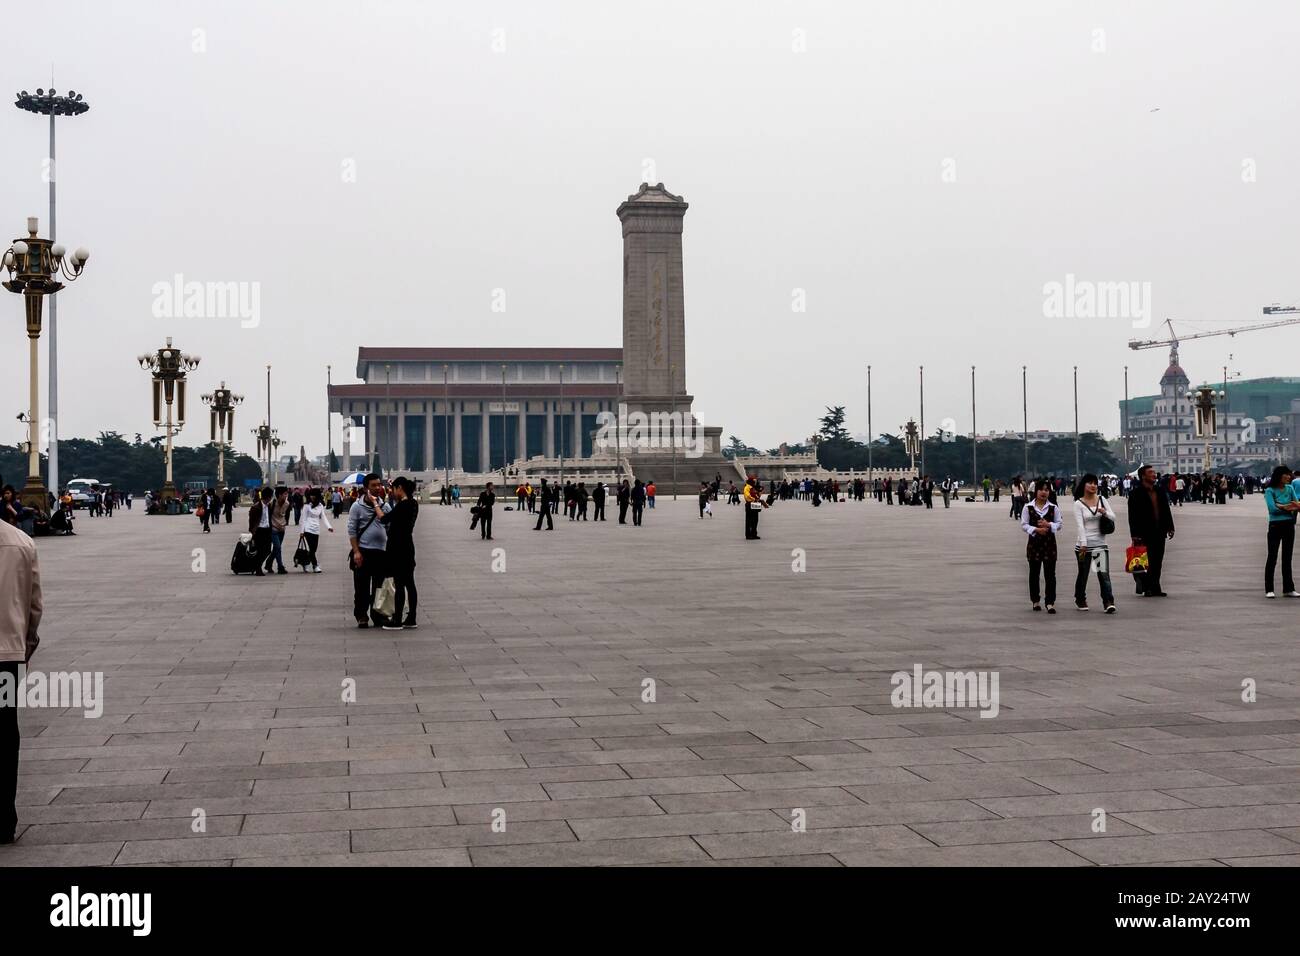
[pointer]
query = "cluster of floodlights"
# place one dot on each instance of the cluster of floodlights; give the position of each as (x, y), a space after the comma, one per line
(51, 103)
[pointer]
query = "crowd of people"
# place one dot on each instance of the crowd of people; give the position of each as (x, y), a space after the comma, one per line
(1151, 498)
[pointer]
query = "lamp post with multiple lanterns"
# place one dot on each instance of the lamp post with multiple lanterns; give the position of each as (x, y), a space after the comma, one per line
(50, 103)
(911, 443)
(1207, 425)
(34, 266)
(168, 366)
(267, 438)
(222, 401)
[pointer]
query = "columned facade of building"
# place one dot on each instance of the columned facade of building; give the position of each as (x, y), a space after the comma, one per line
(1162, 432)
(475, 410)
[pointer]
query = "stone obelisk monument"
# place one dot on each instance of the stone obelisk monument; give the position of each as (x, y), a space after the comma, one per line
(654, 345)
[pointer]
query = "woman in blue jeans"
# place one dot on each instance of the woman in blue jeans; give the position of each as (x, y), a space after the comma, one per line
(1280, 497)
(1090, 548)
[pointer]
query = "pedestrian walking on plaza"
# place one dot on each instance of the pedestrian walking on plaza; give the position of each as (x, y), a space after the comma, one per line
(400, 553)
(486, 500)
(455, 495)
(313, 515)
(1018, 496)
(638, 497)
(754, 505)
(1150, 523)
(20, 617)
(624, 499)
(368, 538)
(1093, 521)
(1041, 520)
(204, 511)
(704, 498)
(545, 513)
(987, 484)
(1280, 497)
(581, 495)
(279, 511)
(259, 526)
(650, 494)
(227, 504)
(598, 501)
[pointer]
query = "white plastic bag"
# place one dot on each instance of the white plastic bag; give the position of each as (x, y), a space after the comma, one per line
(385, 602)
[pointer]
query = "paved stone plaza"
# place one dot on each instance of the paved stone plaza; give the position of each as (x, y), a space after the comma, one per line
(523, 691)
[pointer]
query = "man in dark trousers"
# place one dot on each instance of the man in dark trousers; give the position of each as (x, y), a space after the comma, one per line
(1150, 523)
(638, 502)
(368, 538)
(259, 526)
(624, 499)
(545, 513)
(20, 617)
(485, 502)
(598, 500)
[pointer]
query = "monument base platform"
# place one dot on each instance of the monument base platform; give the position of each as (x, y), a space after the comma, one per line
(691, 468)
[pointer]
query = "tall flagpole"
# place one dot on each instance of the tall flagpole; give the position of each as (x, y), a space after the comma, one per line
(871, 439)
(974, 433)
(923, 419)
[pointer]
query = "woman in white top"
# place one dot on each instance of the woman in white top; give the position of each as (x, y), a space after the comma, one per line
(1090, 543)
(312, 517)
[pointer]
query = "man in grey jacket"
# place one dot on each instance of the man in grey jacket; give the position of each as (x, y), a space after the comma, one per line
(368, 538)
(20, 616)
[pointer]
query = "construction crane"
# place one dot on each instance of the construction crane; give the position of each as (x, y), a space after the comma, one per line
(1173, 342)
(1174, 338)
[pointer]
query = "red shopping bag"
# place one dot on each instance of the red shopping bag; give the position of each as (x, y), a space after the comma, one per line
(1135, 559)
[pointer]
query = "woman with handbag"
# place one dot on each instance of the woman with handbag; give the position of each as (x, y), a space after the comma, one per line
(1093, 521)
(313, 516)
(1040, 520)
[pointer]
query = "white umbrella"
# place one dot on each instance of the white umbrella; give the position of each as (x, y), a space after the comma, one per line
(356, 478)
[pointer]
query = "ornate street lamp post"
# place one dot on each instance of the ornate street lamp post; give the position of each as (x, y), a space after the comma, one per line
(1207, 424)
(169, 367)
(910, 442)
(34, 266)
(51, 104)
(263, 435)
(222, 402)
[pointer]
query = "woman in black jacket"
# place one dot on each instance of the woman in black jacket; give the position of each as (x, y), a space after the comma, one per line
(400, 553)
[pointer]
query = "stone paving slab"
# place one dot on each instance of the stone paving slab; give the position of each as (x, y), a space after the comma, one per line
(524, 697)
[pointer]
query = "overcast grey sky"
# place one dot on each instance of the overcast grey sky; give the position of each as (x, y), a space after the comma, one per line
(920, 170)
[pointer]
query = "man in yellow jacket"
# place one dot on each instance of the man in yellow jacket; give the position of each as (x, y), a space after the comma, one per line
(753, 505)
